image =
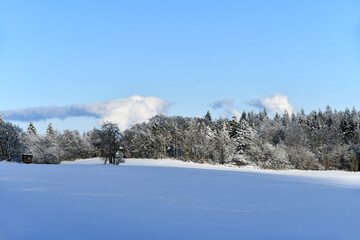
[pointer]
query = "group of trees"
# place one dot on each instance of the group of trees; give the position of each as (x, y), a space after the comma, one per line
(107, 140)
(10, 140)
(318, 140)
(54, 147)
(69, 145)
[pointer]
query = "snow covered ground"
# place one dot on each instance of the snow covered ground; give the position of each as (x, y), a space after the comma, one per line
(337, 178)
(167, 199)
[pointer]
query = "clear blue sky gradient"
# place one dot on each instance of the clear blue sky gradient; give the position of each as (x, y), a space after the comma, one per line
(191, 53)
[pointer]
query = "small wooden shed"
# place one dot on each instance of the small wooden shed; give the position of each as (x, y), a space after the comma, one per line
(27, 158)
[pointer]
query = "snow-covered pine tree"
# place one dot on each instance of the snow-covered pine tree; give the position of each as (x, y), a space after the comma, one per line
(301, 117)
(243, 116)
(50, 130)
(286, 121)
(252, 119)
(243, 137)
(347, 126)
(277, 118)
(233, 126)
(263, 115)
(31, 130)
(211, 142)
(224, 146)
(204, 139)
(69, 143)
(355, 118)
(208, 116)
(328, 117)
(10, 140)
(48, 150)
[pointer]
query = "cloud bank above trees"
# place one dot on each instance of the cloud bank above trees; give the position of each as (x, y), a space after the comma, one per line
(276, 103)
(228, 104)
(123, 111)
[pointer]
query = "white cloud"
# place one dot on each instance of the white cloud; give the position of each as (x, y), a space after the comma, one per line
(224, 102)
(276, 103)
(228, 104)
(123, 111)
(233, 112)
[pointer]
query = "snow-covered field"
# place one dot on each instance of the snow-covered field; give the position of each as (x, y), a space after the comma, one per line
(337, 178)
(167, 199)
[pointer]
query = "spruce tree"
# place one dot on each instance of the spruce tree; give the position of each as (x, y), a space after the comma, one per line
(50, 132)
(31, 130)
(277, 118)
(223, 144)
(233, 124)
(208, 116)
(347, 126)
(286, 119)
(244, 136)
(262, 115)
(243, 116)
(355, 118)
(328, 116)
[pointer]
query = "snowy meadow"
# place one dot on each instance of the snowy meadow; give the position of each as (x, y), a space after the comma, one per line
(167, 199)
(179, 120)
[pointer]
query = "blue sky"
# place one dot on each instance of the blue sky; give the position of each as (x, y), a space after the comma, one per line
(188, 53)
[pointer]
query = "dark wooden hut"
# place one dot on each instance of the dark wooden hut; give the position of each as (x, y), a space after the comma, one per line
(27, 158)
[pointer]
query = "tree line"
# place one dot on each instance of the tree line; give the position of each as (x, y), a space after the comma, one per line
(54, 146)
(320, 140)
